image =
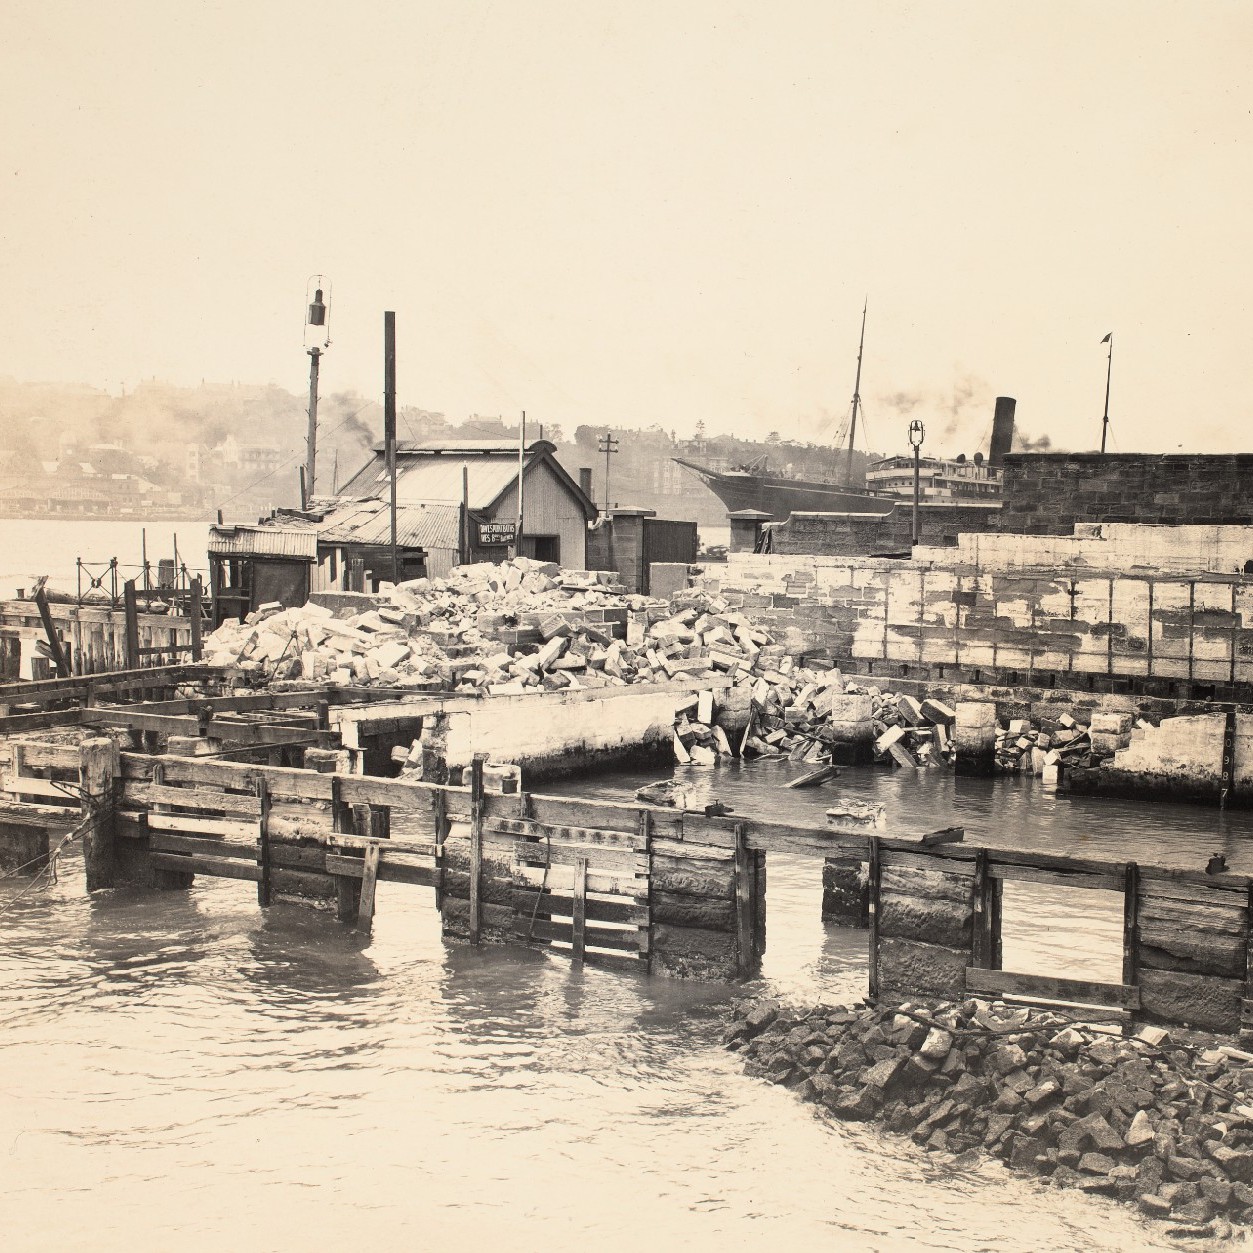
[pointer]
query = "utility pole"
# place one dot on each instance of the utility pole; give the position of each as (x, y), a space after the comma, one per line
(517, 535)
(608, 445)
(317, 340)
(1109, 368)
(389, 423)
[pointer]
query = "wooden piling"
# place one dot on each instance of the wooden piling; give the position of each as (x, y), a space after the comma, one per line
(579, 914)
(97, 772)
(476, 847)
(1131, 926)
(873, 912)
(263, 842)
(369, 877)
(744, 946)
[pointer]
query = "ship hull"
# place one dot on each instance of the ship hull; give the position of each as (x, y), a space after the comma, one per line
(781, 497)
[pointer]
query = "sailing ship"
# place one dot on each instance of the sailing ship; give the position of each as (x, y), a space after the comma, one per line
(776, 496)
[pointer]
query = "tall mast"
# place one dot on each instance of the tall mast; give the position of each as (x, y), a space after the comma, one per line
(852, 426)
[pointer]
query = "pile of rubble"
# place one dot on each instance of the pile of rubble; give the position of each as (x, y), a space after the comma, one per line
(423, 632)
(909, 731)
(1022, 747)
(1148, 1120)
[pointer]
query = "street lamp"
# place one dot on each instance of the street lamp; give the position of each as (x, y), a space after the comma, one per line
(317, 341)
(916, 433)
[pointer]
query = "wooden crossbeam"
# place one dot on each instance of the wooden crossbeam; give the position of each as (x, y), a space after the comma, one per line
(1048, 987)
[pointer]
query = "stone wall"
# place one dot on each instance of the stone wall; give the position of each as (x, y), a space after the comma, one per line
(1065, 625)
(1105, 546)
(1047, 493)
(845, 534)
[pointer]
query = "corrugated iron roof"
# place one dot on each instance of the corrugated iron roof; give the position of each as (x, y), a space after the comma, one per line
(437, 479)
(369, 522)
(297, 539)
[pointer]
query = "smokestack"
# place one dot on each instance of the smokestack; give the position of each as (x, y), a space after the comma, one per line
(585, 481)
(1002, 429)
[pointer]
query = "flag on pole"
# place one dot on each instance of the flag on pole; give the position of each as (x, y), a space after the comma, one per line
(1108, 338)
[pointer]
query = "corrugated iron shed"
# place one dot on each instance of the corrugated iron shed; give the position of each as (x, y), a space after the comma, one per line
(298, 541)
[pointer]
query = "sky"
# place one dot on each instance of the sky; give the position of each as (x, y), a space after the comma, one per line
(647, 213)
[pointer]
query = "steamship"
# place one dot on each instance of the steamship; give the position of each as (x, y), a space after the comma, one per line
(776, 496)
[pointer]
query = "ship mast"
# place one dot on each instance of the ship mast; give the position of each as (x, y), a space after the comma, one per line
(852, 426)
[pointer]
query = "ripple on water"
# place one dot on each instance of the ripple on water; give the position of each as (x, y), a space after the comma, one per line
(179, 1071)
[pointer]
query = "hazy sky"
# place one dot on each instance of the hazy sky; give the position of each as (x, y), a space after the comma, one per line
(647, 212)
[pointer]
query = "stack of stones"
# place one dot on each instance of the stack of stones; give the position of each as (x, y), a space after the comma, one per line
(1152, 1120)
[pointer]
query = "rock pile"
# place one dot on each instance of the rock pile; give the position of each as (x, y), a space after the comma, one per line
(1149, 1120)
(1022, 747)
(909, 731)
(434, 632)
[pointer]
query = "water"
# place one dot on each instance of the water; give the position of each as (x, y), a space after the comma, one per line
(30, 547)
(182, 1071)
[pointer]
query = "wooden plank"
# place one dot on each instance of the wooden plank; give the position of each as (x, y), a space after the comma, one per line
(476, 847)
(896, 860)
(226, 828)
(561, 879)
(1220, 918)
(1047, 987)
(369, 877)
(440, 807)
(78, 687)
(578, 920)
(230, 803)
(1056, 878)
(1216, 896)
(540, 852)
(285, 783)
(33, 785)
(389, 871)
(263, 842)
(566, 834)
(876, 872)
(416, 848)
(1130, 927)
(598, 906)
(629, 940)
(168, 842)
(39, 756)
(743, 905)
(221, 867)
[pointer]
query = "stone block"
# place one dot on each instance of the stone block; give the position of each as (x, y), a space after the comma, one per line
(1204, 1001)
(909, 968)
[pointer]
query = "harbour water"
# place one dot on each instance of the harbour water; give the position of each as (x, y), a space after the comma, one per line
(183, 1071)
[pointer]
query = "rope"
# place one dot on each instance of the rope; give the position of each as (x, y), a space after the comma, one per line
(98, 811)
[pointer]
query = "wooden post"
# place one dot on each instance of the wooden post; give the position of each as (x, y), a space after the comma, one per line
(476, 847)
(193, 612)
(1229, 756)
(1131, 926)
(874, 916)
(97, 771)
(1246, 1002)
(644, 828)
(439, 802)
(131, 610)
(59, 659)
(743, 903)
(348, 889)
(369, 877)
(983, 886)
(579, 912)
(263, 841)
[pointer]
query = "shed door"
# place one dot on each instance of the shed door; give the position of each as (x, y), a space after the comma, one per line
(284, 581)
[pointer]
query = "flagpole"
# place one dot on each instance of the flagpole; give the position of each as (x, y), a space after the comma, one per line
(1109, 367)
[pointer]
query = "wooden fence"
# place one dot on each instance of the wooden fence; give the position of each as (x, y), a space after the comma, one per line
(936, 924)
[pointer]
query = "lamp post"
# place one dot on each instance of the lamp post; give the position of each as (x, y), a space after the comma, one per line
(1109, 369)
(916, 433)
(317, 341)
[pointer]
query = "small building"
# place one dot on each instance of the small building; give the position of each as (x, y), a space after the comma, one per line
(250, 566)
(481, 477)
(630, 541)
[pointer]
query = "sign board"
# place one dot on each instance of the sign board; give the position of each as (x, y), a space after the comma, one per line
(496, 533)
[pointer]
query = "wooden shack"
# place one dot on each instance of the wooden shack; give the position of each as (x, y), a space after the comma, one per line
(479, 478)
